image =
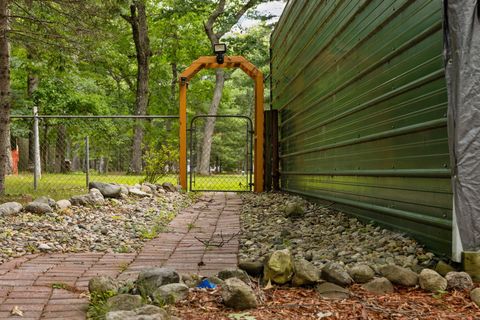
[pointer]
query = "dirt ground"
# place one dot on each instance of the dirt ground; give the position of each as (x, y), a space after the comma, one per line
(299, 304)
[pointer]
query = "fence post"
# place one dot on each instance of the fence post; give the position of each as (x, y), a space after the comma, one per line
(37, 170)
(87, 161)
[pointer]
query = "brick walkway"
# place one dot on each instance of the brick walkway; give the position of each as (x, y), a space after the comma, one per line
(52, 286)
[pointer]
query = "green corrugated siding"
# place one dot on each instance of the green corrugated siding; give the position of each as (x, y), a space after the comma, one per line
(362, 97)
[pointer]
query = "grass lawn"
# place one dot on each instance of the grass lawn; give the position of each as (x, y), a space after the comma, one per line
(60, 186)
(230, 182)
(63, 186)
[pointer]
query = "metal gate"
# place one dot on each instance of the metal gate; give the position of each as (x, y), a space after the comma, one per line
(230, 164)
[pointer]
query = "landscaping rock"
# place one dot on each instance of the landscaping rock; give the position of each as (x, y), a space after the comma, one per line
(151, 309)
(124, 302)
(361, 273)
(101, 285)
(94, 197)
(150, 280)
(475, 296)
(170, 293)
(253, 268)
(147, 189)
(332, 291)
(430, 280)
(379, 286)
(459, 281)
(138, 193)
(123, 190)
(106, 189)
(63, 204)
(234, 273)
(336, 273)
(279, 267)
(305, 273)
(216, 280)
(44, 247)
(294, 210)
(46, 200)
(10, 208)
(399, 275)
(443, 268)
(38, 208)
(147, 312)
(190, 280)
(169, 187)
(238, 295)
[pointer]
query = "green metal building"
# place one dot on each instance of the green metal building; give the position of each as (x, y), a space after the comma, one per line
(361, 92)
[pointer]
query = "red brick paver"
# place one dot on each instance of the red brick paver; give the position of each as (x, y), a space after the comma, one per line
(53, 286)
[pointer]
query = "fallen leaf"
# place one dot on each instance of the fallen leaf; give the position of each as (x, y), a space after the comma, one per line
(16, 311)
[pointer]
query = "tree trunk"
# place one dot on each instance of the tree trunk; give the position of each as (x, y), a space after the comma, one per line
(4, 92)
(60, 149)
(204, 165)
(138, 22)
(173, 93)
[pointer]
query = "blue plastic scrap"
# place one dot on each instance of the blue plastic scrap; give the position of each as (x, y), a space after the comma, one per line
(206, 284)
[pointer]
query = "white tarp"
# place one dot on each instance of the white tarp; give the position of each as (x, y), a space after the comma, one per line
(462, 64)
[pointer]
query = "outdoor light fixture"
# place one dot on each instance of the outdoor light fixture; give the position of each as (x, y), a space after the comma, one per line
(219, 49)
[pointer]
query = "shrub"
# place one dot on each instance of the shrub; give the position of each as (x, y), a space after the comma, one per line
(159, 161)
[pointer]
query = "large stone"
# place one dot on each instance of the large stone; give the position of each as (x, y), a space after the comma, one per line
(294, 210)
(169, 187)
(305, 273)
(124, 302)
(332, 291)
(46, 200)
(63, 204)
(399, 275)
(443, 268)
(361, 273)
(147, 312)
(106, 189)
(279, 267)
(102, 284)
(10, 208)
(336, 273)
(94, 197)
(151, 279)
(238, 295)
(234, 273)
(138, 193)
(475, 296)
(430, 280)
(38, 207)
(459, 281)
(170, 293)
(253, 268)
(379, 286)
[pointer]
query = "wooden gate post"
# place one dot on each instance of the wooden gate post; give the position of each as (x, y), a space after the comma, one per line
(257, 76)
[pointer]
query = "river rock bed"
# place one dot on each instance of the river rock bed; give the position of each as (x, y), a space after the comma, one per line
(274, 221)
(118, 225)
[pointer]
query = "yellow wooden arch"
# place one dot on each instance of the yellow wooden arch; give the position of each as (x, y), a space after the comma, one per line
(257, 76)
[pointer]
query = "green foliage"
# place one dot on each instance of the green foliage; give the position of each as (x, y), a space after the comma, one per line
(97, 309)
(159, 161)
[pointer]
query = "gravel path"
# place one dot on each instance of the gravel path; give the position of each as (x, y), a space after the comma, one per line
(319, 234)
(116, 226)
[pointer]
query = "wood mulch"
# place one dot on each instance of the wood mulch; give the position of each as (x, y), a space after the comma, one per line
(294, 303)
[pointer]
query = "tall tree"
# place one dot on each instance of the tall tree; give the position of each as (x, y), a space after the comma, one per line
(218, 24)
(138, 22)
(4, 92)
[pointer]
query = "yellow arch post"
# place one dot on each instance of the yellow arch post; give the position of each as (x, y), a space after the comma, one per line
(257, 76)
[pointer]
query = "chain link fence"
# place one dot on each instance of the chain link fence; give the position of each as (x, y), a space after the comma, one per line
(229, 145)
(58, 155)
